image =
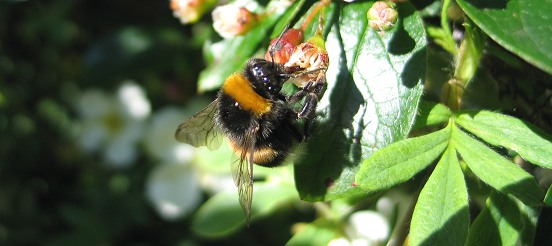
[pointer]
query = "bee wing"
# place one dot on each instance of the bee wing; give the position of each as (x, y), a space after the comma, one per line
(242, 171)
(200, 129)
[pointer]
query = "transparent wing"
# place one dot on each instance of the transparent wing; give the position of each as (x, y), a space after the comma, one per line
(242, 171)
(200, 129)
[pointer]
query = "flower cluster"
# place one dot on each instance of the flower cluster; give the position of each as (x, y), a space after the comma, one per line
(116, 125)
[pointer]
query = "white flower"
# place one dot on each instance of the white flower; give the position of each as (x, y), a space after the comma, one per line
(368, 228)
(174, 190)
(230, 21)
(113, 124)
(160, 141)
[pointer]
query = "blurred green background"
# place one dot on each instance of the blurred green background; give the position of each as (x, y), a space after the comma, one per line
(53, 191)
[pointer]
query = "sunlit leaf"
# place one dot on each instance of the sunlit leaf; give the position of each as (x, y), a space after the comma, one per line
(441, 214)
(528, 141)
(495, 170)
(402, 160)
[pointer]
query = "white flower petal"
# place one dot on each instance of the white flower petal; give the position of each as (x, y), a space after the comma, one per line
(134, 100)
(369, 225)
(173, 190)
(160, 141)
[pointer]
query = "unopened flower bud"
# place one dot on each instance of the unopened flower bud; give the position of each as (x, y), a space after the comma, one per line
(281, 49)
(382, 16)
(230, 21)
(189, 11)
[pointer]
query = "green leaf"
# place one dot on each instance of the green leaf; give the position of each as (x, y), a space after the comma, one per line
(431, 113)
(512, 133)
(319, 232)
(529, 218)
(548, 197)
(402, 160)
(374, 85)
(496, 170)
(441, 214)
(222, 214)
(498, 224)
(521, 26)
(230, 55)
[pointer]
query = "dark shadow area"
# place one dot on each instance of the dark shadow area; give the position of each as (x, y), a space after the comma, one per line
(544, 227)
(402, 43)
(415, 68)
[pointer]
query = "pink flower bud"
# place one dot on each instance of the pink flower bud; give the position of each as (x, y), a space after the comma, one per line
(382, 16)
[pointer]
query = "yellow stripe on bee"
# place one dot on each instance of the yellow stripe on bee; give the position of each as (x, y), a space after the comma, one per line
(261, 156)
(240, 89)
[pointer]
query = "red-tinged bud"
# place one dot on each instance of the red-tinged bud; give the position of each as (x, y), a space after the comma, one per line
(189, 11)
(230, 21)
(382, 16)
(281, 49)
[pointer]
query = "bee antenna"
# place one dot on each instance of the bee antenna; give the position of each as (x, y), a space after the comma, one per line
(276, 43)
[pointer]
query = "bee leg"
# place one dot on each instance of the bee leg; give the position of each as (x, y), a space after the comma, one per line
(311, 92)
(298, 96)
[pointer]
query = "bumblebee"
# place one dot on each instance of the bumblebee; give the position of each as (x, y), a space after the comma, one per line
(258, 121)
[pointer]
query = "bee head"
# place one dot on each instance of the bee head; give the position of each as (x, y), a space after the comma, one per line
(266, 77)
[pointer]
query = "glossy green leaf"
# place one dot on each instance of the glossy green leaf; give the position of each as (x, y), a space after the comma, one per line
(548, 197)
(431, 113)
(402, 160)
(319, 232)
(222, 214)
(230, 55)
(528, 141)
(374, 85)
(523, 27)
(441, 215)
(498, 224)
(495, 170)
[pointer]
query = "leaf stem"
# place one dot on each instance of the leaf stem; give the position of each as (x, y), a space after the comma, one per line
(449, 43)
